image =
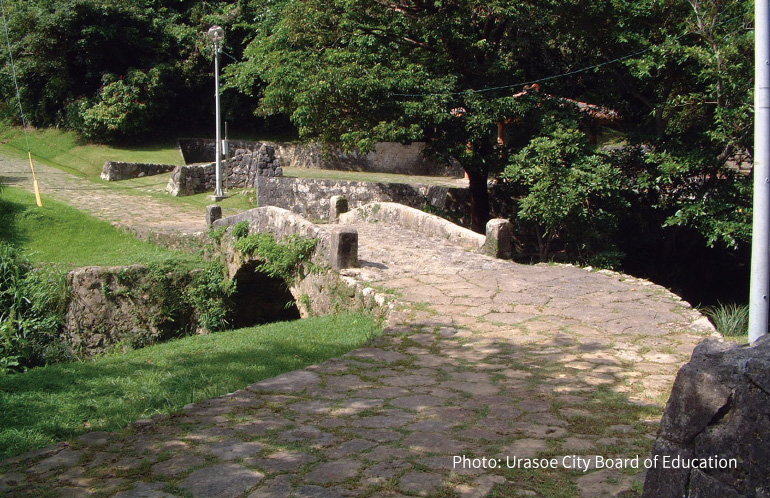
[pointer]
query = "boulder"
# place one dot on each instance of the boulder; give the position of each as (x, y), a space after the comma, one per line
(714, 438)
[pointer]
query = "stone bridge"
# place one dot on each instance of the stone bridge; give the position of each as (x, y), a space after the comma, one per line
(480, 357)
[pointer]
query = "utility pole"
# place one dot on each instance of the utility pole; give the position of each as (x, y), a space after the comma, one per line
(760, 238)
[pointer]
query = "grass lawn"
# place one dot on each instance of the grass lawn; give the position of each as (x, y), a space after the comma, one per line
(61, 149)
(58, 233)
(62, 401)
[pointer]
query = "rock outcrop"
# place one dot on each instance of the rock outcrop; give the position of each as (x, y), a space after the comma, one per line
(714, 439)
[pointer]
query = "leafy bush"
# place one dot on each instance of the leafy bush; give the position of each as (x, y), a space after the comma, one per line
(209, 295)
(241, 230)
(32, 307)
(729, 319)
(286, 261)
(125, 107)
(572, 192)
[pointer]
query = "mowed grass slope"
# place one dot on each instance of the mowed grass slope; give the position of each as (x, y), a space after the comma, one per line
(58, 233)
(61, 149)
(59, 402)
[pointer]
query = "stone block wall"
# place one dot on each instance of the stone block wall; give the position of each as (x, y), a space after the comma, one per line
(310, 197)
(240, 171)
(116, 170)
(203, 150)
(387, 157)
(103, 311)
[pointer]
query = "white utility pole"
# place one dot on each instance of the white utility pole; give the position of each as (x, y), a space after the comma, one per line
(216, 34)
(760, 238)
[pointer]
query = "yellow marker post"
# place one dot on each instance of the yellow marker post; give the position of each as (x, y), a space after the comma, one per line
(34, 181)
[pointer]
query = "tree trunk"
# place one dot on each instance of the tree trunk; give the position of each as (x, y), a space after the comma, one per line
(479, 201)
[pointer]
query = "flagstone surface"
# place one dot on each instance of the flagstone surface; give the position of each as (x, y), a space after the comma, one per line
(480, 357)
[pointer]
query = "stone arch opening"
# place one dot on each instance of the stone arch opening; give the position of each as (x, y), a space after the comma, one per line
(260, 298)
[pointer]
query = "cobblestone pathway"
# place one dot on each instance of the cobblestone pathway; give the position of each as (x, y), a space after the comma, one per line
(485, 358)
(128, 208)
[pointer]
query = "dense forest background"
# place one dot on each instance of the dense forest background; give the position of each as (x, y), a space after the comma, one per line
(661, 188)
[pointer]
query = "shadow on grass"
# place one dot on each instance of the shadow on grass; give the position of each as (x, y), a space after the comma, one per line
(63, 401)
(9, 229)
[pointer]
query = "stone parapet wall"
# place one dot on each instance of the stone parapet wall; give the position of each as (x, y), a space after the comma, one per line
(310, 197)
(116, 170)
(240, 171)
(419, 221)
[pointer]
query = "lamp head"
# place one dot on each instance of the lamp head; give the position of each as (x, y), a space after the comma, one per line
(216, 34)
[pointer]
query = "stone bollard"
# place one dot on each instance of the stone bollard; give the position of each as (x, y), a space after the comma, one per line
(344, 248)
(499, 242)
(339, 205)
(213, 213)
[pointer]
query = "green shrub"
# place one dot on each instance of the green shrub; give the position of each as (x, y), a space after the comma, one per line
(125, 107)
(32, 308)
(730, 319)
(241, 230)
(573, 193)
(285, 260)
(209, 294)
(216, 234)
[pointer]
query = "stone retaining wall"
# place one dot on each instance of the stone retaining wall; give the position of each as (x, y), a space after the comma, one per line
(310, 197)
(418, 221)
(104, 310)
(240, 171)
(116, 170)
(203, 150)
(387, 157)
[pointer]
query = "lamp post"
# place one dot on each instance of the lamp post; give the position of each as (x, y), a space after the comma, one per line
(216, 34)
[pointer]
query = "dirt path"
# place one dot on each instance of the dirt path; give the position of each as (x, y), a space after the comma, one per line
(485, 358)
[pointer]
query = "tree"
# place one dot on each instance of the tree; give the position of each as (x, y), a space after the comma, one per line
(89, 64)
(573, 192)
(355, 72)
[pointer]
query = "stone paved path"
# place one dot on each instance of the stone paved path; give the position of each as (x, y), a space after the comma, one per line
(482, 357)
(127, 208)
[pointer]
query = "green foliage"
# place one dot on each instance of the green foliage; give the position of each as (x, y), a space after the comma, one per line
(730, 319)
(241, 230)
(354, 73)
(573, 192)
(32, 307)
(288, 260)
(216, 234)
(70, 55)
(209, 295)
(58, 402)
(125, 107)
(180, 301)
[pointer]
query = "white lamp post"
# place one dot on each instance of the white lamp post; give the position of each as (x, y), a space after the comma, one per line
(216, 34)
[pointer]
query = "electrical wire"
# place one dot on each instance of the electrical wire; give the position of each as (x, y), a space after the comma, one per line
(38, 199)
(549, 78)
